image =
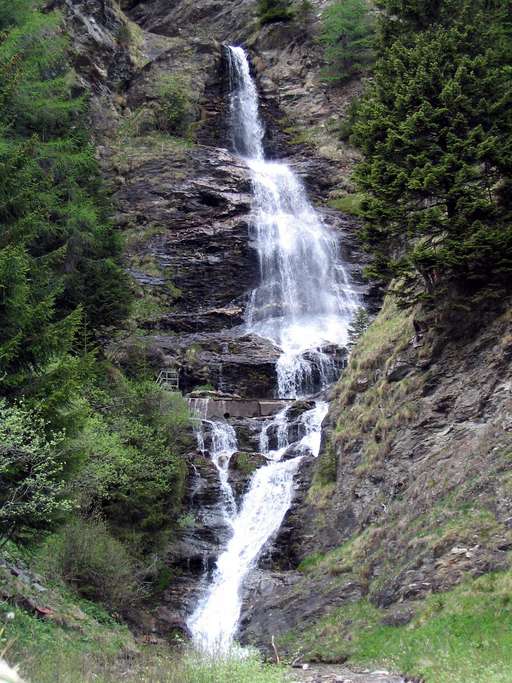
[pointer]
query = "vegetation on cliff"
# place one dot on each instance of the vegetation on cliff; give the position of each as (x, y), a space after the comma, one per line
(89, 455)
(348, 37)
(435, 128)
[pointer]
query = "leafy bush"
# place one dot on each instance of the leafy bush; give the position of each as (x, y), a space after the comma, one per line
(348, 38)
(174, 109)
(270, 11)
(131, 448)
(31, 473)
(96, 564)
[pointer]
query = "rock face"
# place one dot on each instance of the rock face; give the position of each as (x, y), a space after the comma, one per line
(414, 512)
(199, 207)
(232, 20)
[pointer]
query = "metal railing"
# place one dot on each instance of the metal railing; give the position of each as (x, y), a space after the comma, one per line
(169, 379)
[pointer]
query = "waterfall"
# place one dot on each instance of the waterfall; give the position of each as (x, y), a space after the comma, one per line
(222, 445)
(303, 303)
(214, 622)
(304, 300)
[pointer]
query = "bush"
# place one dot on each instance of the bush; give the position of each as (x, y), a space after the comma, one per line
(31, 473)
(270, 11)
(98, 566)
(174, 109)
(132, 449)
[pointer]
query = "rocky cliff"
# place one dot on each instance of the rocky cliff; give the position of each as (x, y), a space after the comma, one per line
(411, 494)
(183, 201)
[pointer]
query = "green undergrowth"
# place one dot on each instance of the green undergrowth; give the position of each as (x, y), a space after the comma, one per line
(350, 203)
(54, 636)
(102, 651)
(461, 636)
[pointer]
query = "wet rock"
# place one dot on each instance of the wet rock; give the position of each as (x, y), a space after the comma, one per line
(242, 466)
(206, 530)
(275, 602)
(243, 365)
(297, 408)
(229, 408)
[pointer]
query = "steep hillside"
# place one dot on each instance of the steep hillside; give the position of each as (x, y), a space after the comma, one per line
(409, 497)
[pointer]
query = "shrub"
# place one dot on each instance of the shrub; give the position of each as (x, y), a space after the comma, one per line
(96, 564)
(270, 11)
(31, 473)
(132, 449)
(174, 109)
(304, 13)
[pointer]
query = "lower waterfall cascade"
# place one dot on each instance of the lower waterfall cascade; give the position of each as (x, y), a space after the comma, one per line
(303, 304)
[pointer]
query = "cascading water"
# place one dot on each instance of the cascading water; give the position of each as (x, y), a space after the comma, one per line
(213, 624)
(223, 444)
(304, 300)
(303, 303)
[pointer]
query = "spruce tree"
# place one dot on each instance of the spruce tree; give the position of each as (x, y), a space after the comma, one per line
(436, 130)
(59, 253)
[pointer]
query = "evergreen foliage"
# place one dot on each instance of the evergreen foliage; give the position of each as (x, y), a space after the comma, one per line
(358, 326)
(347, 36)
(435, 127)
(59, 254)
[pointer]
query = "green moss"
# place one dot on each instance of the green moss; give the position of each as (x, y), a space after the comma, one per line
(246, 464)
(310, 562)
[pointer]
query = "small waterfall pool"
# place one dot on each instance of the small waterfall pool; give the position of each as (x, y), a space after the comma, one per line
(303, 304)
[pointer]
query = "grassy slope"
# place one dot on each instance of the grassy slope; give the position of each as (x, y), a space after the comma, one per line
(462, 636)
(56, 637)
(100, 650)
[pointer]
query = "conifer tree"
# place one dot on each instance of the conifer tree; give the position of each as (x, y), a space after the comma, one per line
(358, 327)
(436, 130)
(59, 254)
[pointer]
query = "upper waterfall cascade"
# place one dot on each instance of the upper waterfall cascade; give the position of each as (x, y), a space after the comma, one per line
(304, 300)
(303, 303)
